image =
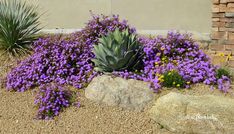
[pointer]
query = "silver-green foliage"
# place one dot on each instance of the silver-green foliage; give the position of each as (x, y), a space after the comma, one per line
(19, 23)
(119, 50)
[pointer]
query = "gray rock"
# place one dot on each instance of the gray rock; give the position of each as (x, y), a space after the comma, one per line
(229, 14)
(206, 114)
(116, 91)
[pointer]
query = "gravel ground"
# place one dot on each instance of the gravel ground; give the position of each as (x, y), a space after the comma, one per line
(17, 115)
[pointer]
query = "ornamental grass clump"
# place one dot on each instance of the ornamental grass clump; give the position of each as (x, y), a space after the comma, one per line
(51, 100)
(19, 23)
(64, 59)
(118, 51)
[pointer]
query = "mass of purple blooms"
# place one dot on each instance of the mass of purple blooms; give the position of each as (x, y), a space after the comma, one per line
(176, 52)
(51, 99)
(64, 59)
(67, 59)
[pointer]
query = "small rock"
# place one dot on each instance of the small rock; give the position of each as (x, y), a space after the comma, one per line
(194, 114)
(116, 91)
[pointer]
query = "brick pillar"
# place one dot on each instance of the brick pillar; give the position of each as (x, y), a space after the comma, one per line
(222, 34)
(222, 25)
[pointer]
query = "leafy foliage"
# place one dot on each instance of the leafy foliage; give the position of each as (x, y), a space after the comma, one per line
(118, 51)
(173, 79)
(222, 72)
(18, 25)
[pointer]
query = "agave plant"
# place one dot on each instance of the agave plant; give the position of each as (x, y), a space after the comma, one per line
(118, 51)
(19, 23)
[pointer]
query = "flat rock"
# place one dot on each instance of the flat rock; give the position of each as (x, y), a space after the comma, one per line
(116, 91)
(207, 114)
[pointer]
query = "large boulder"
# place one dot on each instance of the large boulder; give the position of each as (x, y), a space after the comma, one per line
(206, 114)
(116, 91)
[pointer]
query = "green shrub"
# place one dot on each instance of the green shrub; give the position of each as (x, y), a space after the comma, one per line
(222, 72)
(19, 23)
(173, 79)
(119, 50)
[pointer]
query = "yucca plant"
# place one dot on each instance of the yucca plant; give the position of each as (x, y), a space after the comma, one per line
(19, 23)
(118, 50)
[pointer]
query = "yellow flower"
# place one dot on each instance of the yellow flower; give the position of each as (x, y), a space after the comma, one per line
(158, 54)
(173, 83)
(188, 82)
(156, 63)
(162, 48)
(229, 57)
(221, 54)
(178, 85)
(163, 59)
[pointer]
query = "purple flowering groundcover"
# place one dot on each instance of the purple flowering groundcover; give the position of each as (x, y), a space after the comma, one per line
(66, 59)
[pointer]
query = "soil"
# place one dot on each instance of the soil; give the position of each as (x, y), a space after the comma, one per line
(17, 114)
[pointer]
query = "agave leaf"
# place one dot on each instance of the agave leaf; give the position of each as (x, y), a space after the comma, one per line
(99, 53)
(118, 51)
(111, 60)
(121, 64)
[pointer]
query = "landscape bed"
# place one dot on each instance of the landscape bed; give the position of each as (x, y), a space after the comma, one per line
(60, 68)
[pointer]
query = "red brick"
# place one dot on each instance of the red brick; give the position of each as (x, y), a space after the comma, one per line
(229, 48)
(218, 24)
(223, 1)
(215, 8)
(215, 19)
(229, 9)
(223, 8)
(226, 53)
(229, 41)
(215, 1)
(222, 29)
(231, 35)
(231, 63)
(226, 19)
(219, 35)
(230, 5)
(214, 29)
(218, 15)
(229, 25)
(217, 47)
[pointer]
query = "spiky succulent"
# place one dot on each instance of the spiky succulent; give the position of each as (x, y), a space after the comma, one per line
(18, 24)
(118, 50)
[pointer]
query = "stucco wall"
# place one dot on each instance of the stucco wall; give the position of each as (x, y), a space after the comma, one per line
(191, 15)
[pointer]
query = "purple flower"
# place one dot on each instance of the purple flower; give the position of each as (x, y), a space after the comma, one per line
(51, 99)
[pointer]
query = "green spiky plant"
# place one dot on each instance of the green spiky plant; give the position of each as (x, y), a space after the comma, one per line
(118, 50)
(19, 23)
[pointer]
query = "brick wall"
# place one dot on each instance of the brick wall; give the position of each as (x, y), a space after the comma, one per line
(222, 35)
